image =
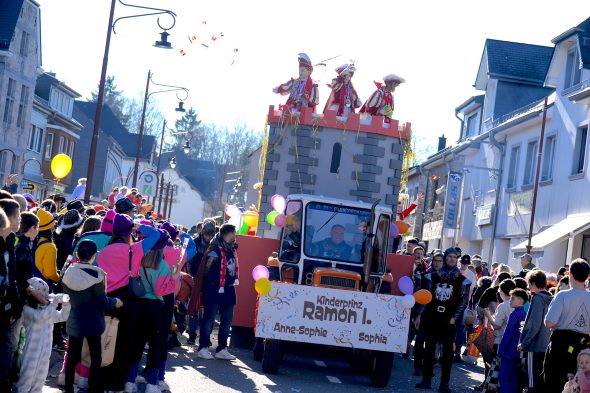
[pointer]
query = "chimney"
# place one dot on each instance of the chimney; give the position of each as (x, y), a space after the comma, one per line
(442, 142)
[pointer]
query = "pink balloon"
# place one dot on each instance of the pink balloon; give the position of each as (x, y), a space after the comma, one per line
(280, 220)
(259, 272)
(279, 203)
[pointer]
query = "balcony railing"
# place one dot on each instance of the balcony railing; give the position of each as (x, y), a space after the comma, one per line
(530, 108)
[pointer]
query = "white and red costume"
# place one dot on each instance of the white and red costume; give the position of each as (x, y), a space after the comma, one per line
(381, 101)
(302, 92)
(344, 98)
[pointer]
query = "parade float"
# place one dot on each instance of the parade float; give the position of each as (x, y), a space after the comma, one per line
(334, 280)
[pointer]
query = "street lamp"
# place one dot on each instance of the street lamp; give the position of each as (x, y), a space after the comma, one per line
(172, 162)
(169, 88)
(186, 148)
(100, 96)
(180, 107)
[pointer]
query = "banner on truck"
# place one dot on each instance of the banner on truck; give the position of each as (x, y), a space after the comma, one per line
(333, 317)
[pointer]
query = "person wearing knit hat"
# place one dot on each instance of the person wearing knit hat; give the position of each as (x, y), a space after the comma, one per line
(157, 279)
(450, 294)
(45, 250)
(30, 201)
(173, 256)
(381, 101)
(114, 260)
(302, 92)
(100, 238)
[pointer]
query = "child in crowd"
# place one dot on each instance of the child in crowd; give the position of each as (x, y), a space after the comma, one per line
(85, 284)
(583, 374)
(39, 315)
(508, 354)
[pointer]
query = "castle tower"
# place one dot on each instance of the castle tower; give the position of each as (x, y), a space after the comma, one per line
(311, 154)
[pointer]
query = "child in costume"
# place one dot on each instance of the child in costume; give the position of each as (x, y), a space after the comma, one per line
(38, 321)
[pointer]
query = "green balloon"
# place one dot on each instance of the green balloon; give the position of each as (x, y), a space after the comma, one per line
(270, 217)
(244, 229)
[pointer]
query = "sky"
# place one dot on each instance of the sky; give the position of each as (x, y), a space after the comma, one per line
(435, 45)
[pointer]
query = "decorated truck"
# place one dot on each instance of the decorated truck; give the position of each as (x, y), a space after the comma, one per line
(334, 286)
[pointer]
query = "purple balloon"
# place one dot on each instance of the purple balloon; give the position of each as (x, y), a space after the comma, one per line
(259, 272)
(393, 230)
(406, 285)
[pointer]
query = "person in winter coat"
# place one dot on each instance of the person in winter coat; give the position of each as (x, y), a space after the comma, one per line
(85, 284)
(172, 257)
(202, 243)
(80, 190)
(66, 232)
(23, 250)
(100, 238)
(38, 320)
(534, 338)
(10, 302)
(218, 275)
(45, 250)
(508, 355)
(157, 279)
(450, 295)
(115, 259)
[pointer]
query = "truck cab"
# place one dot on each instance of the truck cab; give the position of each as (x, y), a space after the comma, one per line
(334, 243)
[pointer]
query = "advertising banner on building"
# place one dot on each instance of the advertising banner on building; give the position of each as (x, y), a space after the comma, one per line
(452, 200)
(327, 316)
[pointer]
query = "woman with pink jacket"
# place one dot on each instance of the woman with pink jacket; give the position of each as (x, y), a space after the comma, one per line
(115, 259)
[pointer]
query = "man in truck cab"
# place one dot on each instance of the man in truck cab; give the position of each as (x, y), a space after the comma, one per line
(334, 246)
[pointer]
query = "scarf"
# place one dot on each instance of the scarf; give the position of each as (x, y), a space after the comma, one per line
(223, 269)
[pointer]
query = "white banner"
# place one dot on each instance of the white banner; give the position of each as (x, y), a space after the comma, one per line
(333, 317)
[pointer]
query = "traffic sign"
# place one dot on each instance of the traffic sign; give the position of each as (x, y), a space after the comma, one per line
(28, 186)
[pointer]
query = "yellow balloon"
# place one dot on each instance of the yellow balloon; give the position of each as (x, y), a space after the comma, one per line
(61, 165)
(262, 286)
(250, 218)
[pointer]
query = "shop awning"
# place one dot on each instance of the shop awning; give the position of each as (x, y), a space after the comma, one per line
(569, 226)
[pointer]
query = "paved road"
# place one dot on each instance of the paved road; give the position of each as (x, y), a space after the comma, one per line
(322, 372)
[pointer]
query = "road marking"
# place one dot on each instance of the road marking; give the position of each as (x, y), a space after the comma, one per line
(333, 379)
(319, 363)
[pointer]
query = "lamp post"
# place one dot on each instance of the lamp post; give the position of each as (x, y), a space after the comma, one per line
(147, 95)
(163, 43)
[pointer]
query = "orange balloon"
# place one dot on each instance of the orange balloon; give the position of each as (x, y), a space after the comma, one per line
(402, 226)
(423, 296)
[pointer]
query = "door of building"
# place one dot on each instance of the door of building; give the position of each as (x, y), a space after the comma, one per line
(585, 247)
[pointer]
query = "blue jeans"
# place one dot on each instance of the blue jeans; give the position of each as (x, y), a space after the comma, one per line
(193, 325)
(460, 337)
(226, 312)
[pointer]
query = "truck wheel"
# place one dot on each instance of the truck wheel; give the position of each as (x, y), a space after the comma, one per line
(361, 361)
(258, 349)
(382, 365)
(273, 354)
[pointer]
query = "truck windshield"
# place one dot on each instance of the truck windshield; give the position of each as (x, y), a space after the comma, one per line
(335, 232)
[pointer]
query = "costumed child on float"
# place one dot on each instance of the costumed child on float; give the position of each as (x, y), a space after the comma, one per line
(381, 101)
(302, 92)
(344, 98)
(403, 213)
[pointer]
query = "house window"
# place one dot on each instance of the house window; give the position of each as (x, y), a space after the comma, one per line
(336, 154)
(10, 94)
(49, 146)
(71, 149)
(39, 139)
(62, 145)
(24, 98)
(471, 126)
(548, 158)
(3, 166)
(580, 150)
(573, 72)
(24, 43)
(530, 164)
(513, 168)
(14, 164)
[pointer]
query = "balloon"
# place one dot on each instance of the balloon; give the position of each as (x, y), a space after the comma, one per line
(270, 217)
(244, 229)
(406, 285)
(260, 271)
(280, 220)
(293, 208)
(232, 211)
(61, 165)
(278, 203)
(402, 226)
(250, 218)
(408, 302)
(262, 286)
(423, 296)
(393, 230)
